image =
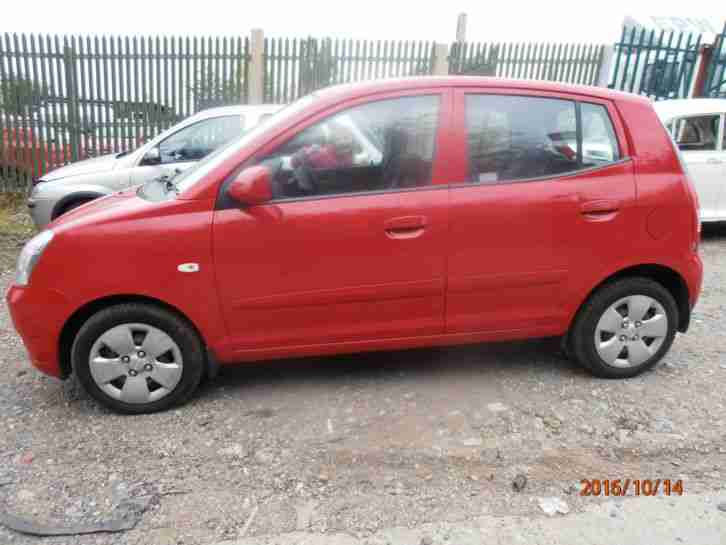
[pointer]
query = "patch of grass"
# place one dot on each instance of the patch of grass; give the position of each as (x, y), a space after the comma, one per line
(14, 218)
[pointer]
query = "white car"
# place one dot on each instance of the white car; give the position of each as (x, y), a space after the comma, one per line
(697, 126)
(174, 150)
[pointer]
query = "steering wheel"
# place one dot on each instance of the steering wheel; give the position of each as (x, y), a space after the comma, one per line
(304, 179)
(303, 176)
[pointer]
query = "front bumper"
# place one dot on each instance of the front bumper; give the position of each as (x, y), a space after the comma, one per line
(40, 210)
(38, 316)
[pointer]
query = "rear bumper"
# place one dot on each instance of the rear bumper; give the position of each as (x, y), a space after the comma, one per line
(694, 281)
(38, 317)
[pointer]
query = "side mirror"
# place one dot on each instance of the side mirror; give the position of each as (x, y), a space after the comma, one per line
(251, 186)
(152, 157)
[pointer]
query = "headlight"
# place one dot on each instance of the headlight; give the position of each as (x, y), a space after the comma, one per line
(30, 255)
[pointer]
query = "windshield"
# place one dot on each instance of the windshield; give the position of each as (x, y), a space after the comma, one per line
(196, 173)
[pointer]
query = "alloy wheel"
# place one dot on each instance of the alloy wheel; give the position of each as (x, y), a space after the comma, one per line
(631, 331)
(136, 363)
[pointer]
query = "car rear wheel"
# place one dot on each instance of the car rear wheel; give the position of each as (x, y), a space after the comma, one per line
(138, 358)
(625, 328)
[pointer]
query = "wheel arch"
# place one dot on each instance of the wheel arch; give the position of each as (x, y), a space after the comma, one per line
(80, 316)
(71, 198)
(665, 276)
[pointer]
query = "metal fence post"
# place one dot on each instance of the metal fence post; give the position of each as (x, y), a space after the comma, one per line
(441, 60)
(71, 100)
(257, 67)
(703, 62)
(606, 66)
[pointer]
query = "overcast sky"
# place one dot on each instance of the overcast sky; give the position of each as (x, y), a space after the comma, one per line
(500, 20)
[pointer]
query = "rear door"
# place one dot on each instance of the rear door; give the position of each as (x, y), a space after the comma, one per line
(533, 205)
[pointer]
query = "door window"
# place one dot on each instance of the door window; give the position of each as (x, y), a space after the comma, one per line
(697, 133)
(194, 142)
(382, 145)
(599, 143)
(514, 138)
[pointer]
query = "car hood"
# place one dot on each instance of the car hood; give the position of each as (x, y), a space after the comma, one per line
(87, 166)
(99, 209)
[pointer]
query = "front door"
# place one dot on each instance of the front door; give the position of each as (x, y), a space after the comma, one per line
(698, 139)
(352, 247)
(721, 206)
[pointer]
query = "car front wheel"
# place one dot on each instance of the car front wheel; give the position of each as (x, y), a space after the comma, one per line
(625, 328)
(138, 358)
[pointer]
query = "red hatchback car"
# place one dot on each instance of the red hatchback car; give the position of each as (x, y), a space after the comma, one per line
(384, 215)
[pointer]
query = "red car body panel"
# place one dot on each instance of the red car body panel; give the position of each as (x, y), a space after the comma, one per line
(453, 262)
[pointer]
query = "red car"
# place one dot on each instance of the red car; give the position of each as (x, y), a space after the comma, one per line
(25, 152)
(460, 210)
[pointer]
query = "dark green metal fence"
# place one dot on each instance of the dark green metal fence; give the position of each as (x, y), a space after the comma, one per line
(570, 63)
(295, 67)
(715, 82)
(660, 65)
(66, 98)
(63, 98)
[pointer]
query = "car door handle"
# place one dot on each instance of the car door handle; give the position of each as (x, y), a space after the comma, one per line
(599, 208)
(405, 226)
(714, 161)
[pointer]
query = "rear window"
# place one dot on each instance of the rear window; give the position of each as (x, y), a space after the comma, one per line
(514, 138)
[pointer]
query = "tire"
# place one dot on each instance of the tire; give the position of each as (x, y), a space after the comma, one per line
(597, 339)
(122, 376)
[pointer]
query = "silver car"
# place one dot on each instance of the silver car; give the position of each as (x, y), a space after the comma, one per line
(173, 150)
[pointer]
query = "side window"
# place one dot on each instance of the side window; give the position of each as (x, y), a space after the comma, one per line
(697, 133)
(519, 137)
(515, 137)
(381, 145)
(599, 143)
(194, 142)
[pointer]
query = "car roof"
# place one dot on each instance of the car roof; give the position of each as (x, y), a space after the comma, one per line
(350, 90)
(242, 109)
(689, 106)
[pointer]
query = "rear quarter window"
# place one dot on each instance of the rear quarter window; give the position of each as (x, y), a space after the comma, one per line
(599, 143)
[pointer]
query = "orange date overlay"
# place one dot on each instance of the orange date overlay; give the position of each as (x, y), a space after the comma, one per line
(634, 487)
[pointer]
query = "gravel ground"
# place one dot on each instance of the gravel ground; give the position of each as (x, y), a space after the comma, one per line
(358, 443)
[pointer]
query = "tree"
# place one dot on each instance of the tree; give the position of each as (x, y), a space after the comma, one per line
(483, 64)
(213, 89)
(20, 96)
(318, 66)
